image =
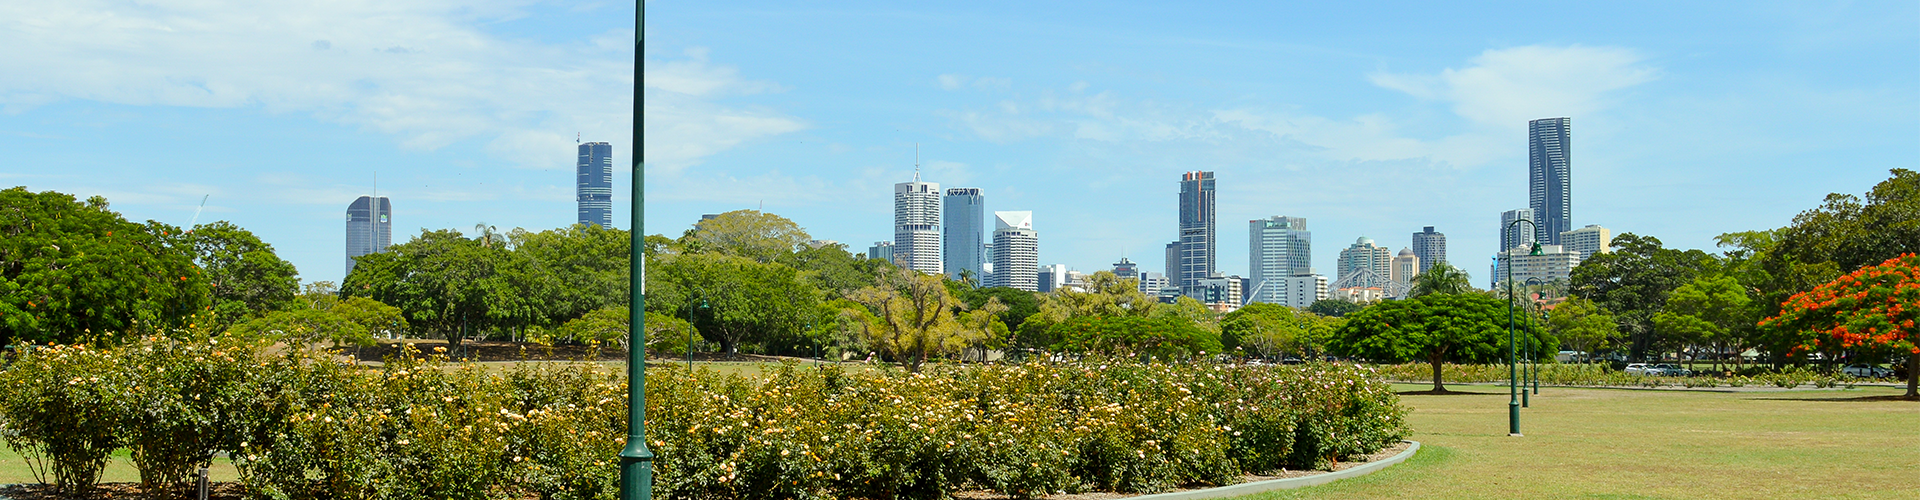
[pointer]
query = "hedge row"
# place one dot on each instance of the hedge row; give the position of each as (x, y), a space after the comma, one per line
(1594, 375)
(302, 425)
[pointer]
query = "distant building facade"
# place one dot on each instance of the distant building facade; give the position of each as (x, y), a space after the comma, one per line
(1550, 176)
(1220, 293)
(1515, 235)
(1430, 247)
(882, 250)
(1126, 269)
(1365, 254)
(1278, 247)
(1051, 277)
(1588, 240)
(1406, 266)
(1554, 264)
(1302, 290)
(369, 227)
(1016, 251)
(916, 225)
(963, 238)
(593, 184)
(1151, 283)
(1199, 240)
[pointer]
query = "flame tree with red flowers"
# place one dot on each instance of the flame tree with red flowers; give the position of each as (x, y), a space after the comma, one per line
(1873, 309)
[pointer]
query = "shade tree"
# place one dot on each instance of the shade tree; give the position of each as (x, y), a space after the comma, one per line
(1872, 310)
(1436, 329)
(73, 271)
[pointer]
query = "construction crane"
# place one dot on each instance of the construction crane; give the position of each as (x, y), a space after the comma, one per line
(196, 212)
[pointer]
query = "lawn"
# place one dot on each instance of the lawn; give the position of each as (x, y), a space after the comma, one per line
(1613, 443)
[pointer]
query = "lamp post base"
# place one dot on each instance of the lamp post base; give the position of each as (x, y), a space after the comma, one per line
(1515, 434)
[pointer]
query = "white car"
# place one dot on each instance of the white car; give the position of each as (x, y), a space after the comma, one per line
(1669, 370)
(1638, 369)
(1866, 371)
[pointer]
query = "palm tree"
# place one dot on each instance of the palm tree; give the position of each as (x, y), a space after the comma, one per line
(1441, 279)
(486, 234)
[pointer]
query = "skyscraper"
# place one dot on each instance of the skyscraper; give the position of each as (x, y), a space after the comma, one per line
(1363, 254)
(916, 225)
(1016, 251)
(1173, 262)
(1514, 235)
(1550, 176)
(1430, 247)
(1198, 239)
(1278, 247)
(1126, 269)
(882, 250)
(965, 218)
(593, 186)
(369, 230)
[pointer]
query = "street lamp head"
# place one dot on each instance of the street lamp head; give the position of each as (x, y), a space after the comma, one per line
(1536, 249)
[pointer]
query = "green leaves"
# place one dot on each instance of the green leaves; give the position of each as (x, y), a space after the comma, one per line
(1437, 329)
(73, 272)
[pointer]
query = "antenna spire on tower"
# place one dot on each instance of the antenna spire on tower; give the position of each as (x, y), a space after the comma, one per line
(916, 162)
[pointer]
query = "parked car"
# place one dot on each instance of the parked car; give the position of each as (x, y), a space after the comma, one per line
(1638, 369)
(1670, 370)
(1866, 371)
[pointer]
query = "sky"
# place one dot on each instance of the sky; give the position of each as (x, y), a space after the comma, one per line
(1367, 118)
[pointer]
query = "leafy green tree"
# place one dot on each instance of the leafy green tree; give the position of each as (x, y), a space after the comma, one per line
(245, 276)
(1267, 330)
(1633, 281)
(78, 272)
(1020, 303)
(1582, 325)
(1467, 328)
(304, 327)
(753, 234)
(1442, 278)
(747, 302)
(912, 318)
(1162, 337)
(831, 269)
(1713, 311)
(572, 271)
(1334, 307)
(440, 280)
(1843, 234)
(1192, 311)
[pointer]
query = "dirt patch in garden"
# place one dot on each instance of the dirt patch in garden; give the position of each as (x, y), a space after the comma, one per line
(114, 491)
(1282, 474)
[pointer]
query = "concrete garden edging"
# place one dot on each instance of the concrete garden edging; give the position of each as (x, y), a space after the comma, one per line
(1244, 489)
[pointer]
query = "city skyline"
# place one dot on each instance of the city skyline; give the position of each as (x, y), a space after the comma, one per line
(465, 109)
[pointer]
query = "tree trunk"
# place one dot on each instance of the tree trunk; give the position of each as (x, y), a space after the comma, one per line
(1438, 386)
(1913, 375)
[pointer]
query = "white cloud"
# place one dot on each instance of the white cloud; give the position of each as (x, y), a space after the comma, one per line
(1507, 87)
(420, 70)
(951, 82)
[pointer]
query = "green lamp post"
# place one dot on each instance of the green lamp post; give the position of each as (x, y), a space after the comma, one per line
(636, 461)
(1531, 371)
(1513, 351)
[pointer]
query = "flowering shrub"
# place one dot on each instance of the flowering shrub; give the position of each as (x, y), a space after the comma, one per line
(1026, 429)
(303, 425)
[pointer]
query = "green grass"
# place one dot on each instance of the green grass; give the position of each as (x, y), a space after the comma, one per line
(1611, 443)
(13, 469)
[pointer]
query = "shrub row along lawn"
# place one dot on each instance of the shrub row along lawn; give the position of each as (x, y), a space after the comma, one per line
(1599, 376)
(302, 425)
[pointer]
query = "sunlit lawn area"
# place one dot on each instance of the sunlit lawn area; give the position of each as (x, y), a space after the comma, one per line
(1611, 443)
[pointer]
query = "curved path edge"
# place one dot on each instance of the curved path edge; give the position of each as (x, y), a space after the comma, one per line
(1244, 489)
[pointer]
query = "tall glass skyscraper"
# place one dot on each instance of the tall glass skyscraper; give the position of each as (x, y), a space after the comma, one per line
(1550, 177)
(594, 184)
(1199, 241)
(961, 245)
(1278, 247)
(1431, 247)
(368, 230)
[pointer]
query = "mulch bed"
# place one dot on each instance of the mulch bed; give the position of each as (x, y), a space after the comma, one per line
(115, 491)
(1248, 478)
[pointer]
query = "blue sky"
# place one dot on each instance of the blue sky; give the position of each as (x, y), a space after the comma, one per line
(1368, 119)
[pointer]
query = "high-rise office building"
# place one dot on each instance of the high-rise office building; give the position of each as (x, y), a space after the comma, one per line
(1514, 235)
(593, 184)
(1431, 247)
(369, 227)
(1016, 251)
(1364, 254)
(1554, 264)
(1050, 277)
(1406, 265)
(1199, 240)
(1278, 247)
(1151, 283)
(1303, 289)
(916, 225)
(962, 240)
(1126, 269)
(1588, 240)
(1550, 176)
(1173, 262)
(882, 250)
(1220, 293)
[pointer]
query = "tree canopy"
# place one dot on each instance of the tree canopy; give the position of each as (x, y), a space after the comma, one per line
(245, 277)
(1442, 278)
(1467, 328)
(1634, 280)
(78, 272)
(1873, 309)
